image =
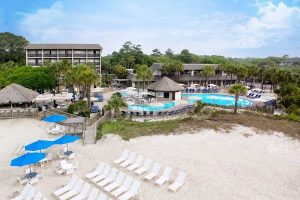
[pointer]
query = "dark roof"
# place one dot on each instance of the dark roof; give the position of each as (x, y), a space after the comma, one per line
(63, 46)
(195, 66)
(165, 85)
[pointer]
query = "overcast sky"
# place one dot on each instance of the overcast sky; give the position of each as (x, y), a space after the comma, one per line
(236, 28)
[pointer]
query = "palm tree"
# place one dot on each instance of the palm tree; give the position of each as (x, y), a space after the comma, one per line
(115, 104)
(59, 69)
(178, 68)
(144, 73)
(208, 70)
(237, 90)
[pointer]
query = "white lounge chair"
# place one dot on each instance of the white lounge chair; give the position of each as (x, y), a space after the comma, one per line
(83, 193)
(111, 177)
(103, 175)
(124, 187)
(116, 183)
(130, 160)
(97, 171)
(137, 163)
(165, 176)
(93, 194)
(24, 192)
(102, 196)
(180, 180)
(133, 191)
(123, 157)
(30, 194)
(67, 187)
(154, 172)
(145, 167)
(74, 191)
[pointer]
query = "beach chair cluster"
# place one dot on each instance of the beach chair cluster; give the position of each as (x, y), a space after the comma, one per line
(65, 167)
(114, 182)
(142, 166)
(30, 193)
(253, 95)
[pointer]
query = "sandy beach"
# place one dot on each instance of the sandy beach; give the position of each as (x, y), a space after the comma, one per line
(239, 164)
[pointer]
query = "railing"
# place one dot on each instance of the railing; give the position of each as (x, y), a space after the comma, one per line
(79, 55)
(65, 55)
(18, 113)
(90, 121)
(94, 55)
(50, 55)
(34, 55)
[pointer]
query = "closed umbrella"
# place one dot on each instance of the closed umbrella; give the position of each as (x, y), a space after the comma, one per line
(28, 159)
(65, 140)
(39, 145)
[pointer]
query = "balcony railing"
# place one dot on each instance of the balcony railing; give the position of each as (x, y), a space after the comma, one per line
(93, 55)
(50, 55)
(80, 55)
(65, 55)
(34, 55)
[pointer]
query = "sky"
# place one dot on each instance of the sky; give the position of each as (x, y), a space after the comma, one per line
(232, 28)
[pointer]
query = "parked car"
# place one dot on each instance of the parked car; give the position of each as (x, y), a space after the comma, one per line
(95, 109)
(99, 97)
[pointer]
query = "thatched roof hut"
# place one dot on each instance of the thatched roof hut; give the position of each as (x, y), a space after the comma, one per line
(165, 89)
(165, 85)
(15, 93)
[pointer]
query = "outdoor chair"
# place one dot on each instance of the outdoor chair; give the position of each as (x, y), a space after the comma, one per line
(110, 178)
(144, 167)
(180, 180)
(74, 191)
(116, 183)
(130, 160)
(124, 187)
(93, 194)
(123, 157)
(83, 193)
(102, 196)
(103, 175)
(137, 163)
(67, 187)
(133, 191)
(154, 172)
(97, 171)
(165, 176)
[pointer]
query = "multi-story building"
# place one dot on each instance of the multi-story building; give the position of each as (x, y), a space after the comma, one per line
(192, 74)
(37, 54)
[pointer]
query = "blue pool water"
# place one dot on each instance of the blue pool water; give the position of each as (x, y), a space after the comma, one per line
(217, 99)
(148, 108)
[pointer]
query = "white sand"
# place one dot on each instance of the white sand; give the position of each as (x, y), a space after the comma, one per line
(219, 165)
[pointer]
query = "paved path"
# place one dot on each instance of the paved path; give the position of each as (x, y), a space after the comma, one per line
(90, 133)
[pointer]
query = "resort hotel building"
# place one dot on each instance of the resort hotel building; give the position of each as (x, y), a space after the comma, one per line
(38, 54)
(192, 74)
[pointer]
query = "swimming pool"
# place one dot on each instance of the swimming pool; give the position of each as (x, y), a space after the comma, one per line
(158, 107)
(216, 99)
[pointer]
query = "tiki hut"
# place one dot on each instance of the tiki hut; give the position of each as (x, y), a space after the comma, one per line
(16, 94)
(165, 89)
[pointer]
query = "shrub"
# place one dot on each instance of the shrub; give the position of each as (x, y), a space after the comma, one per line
(71, 108)
(199, 106)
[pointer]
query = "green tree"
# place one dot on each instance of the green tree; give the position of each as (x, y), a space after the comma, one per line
(115, 104)
(237, 90)
(120, 71)
(156, 52)
(144, 73)
(12, 48)
(207, 71)
(174, 67)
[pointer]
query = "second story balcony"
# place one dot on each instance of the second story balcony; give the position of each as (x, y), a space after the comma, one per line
(50, 55)
(93, 55)
(65, 55)
(34, 55)
(80, 55)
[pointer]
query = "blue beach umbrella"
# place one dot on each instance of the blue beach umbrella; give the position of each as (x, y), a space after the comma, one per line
(27, 159)
(39, 145)
(55, 118)
(66, 139)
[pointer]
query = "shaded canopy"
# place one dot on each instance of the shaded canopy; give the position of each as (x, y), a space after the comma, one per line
(165, 85)
(16, 93)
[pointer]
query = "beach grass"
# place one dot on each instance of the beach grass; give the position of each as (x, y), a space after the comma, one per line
(217, 120)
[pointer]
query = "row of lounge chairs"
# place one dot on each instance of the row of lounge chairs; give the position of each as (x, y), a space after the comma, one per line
(199, 90)
(30, 193)
(136, 163)
(114, 182)
(253, 95)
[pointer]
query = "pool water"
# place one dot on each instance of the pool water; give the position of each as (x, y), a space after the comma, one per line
(216, 99)
(148, 108)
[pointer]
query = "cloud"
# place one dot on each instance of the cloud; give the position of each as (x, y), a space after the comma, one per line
(169, 25)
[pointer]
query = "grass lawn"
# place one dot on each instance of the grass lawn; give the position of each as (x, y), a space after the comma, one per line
(220, 120)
